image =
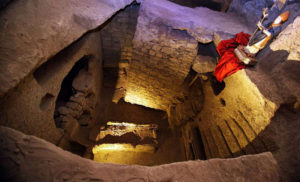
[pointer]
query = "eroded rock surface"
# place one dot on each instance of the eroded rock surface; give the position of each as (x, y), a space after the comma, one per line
(250, 9)
(195, 21)
(27, 158)
(276, 74)
(204, 64)
(165, 47)
(31, 105)
(34, 31)
(289, 41)
(251, 113)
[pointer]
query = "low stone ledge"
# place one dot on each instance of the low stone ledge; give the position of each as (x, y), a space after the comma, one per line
(27, 158)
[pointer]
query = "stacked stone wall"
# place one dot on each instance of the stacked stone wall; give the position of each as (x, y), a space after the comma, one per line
(162, 58)
(117, 36)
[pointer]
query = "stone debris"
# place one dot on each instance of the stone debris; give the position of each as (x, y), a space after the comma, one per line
(204, 64)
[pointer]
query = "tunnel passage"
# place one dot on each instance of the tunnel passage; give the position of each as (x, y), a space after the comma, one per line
(67, 90)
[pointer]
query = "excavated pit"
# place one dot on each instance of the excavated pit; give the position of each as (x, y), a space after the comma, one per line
(140, 89)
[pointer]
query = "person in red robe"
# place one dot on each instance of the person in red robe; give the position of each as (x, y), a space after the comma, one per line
(235, 53)
(229, 63)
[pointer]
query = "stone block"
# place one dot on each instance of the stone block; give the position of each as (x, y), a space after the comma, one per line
(74, 106)
(156, 48)
(167, 50)
(204, 64)
(83, 82)
(84, 120)
(152, 53)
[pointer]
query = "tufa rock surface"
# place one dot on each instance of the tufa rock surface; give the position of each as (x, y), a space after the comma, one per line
(31, 105)
(204, 64)
(32, 31)
(165, 47)
(195, 21)
(27, 158)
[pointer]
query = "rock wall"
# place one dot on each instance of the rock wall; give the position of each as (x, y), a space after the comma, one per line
(196, 21)
(216, 5)
(230, 121)
(4, 3)
(181, 113)
(250, 9)
(53, 25)
(117, 36)
(252, 113)
(162, 57)
(280, 63)
(30, 106)
(228, 129)
(27, 158)
(241, 121)
(165, 47)
(78, 115)
(117, 47)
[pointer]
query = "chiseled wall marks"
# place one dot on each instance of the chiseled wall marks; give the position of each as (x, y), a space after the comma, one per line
(245, 114)
(230, 123)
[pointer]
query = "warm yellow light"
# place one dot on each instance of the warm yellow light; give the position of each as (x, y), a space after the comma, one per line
(121, 128)
(110, 123)
(140, 97)
(123, 147)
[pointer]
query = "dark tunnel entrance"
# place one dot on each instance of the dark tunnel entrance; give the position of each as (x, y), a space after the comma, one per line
(67, 89)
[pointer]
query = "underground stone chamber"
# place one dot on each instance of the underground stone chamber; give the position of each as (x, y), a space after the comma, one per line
(138, 88)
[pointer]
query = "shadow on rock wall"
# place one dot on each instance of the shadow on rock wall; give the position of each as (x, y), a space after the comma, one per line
(282, 139)
(276, 76)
